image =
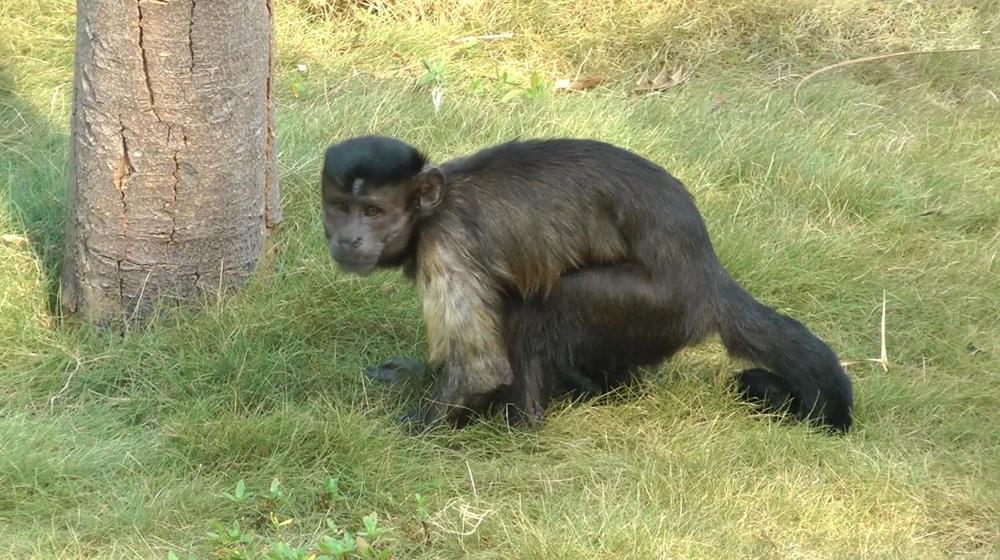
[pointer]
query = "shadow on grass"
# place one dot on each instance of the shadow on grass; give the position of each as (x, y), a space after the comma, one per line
(33, 174)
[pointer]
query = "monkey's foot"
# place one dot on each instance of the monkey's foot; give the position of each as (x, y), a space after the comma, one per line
(397, 370)
(410, 421)
(418, 420)
(525, 419)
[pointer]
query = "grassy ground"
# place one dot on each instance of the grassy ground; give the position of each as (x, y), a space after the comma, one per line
(885, 182)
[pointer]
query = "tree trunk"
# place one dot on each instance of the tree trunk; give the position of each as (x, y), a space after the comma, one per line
(173, 185)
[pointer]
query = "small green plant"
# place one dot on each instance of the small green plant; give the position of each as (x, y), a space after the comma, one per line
(424, 516)
(228, 536)
(477, 86)
(508, 87)
(422, 513)
(230, 543)
(332, 490)
(367, 542)
(338, 548)
(283, 551)
(538, 87)
(275, 490)
(434, 77)
(239, 493)
(372, 530)
(433, 72)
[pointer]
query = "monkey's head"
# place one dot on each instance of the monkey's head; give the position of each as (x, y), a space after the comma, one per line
(375, 189)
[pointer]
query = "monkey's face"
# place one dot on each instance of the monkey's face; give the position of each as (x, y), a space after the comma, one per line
(367, 228)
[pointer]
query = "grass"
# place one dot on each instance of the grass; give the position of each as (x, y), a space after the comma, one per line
(885, 182)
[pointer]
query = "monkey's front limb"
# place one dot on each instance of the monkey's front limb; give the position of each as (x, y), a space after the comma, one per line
(463, 388)
(453, 397)
(397, 370)
(461, 316)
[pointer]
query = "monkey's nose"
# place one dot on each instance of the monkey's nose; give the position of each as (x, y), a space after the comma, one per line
(348, 242)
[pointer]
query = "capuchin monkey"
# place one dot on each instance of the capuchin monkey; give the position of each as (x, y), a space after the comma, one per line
(547, 263)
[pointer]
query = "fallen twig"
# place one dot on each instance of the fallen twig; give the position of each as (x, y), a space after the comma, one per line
(65, 387)
(487, 37)
(883, 359)
(814, 73)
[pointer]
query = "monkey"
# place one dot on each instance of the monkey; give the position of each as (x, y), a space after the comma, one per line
(554, 262)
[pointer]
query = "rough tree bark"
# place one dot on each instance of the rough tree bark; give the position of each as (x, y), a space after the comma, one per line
(173, 185)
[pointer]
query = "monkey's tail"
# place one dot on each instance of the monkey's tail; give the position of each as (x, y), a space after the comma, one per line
(806, 367)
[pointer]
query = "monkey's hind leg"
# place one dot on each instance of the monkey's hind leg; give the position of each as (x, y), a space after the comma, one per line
(527, 398)
(590, 335)
(533, 333)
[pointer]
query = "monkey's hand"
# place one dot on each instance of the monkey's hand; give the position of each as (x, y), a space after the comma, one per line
(397, 370)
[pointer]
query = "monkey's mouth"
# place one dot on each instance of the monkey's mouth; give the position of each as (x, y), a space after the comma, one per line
(354, 265)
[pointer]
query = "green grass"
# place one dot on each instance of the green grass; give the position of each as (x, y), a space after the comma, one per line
(886, 181)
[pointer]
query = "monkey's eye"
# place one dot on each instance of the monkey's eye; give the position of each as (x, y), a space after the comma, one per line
(339, 206)
(372, 211)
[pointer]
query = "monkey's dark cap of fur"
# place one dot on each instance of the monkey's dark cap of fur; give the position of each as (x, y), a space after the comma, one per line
(377, 160)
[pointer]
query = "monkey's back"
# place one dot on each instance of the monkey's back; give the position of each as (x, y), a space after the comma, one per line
(532, 210)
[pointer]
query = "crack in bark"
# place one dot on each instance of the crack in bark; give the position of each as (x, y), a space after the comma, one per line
(121, 285)
(145, 65)
(191, 38)
(270, 182)
(119, 261)
(123, 171)
(173, 201)
(170, 207)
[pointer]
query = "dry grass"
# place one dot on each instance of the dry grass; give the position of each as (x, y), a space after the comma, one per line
(564, 37)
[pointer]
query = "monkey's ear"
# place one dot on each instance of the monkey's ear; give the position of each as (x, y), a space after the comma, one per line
(430, 188)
